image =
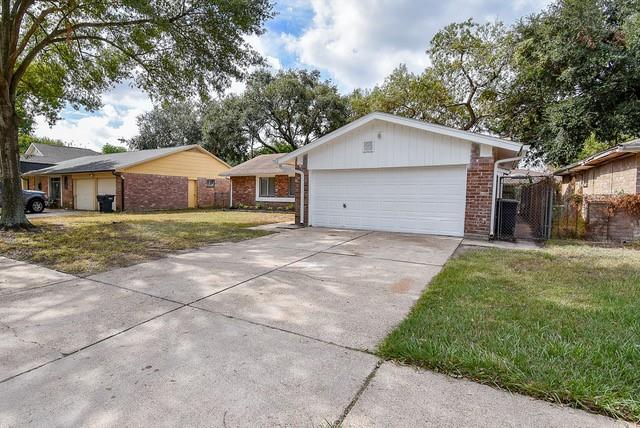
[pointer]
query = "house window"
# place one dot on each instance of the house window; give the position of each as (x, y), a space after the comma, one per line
(585, 179)
(211, 182)
(267, 187)
(292, 186)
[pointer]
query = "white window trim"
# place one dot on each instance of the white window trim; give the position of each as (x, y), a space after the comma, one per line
(271, 198)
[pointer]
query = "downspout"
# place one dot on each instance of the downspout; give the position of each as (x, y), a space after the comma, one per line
(495, 185)
(301, 173)
(230, 193)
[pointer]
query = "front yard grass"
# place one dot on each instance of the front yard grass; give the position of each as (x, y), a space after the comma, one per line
(560, 323)
(93, 242)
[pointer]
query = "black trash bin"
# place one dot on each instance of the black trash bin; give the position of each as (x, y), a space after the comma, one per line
(507, 217)
(106, 203)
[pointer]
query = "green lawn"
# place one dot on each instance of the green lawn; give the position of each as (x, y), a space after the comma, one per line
(92, 242)
(561, 323)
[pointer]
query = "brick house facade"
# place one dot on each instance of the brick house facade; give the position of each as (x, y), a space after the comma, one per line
(165, 179)
(588, 185)
(261, 172)
(245, 187)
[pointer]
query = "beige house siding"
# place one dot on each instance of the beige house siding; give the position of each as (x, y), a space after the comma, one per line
(619, 176)
(190, 163)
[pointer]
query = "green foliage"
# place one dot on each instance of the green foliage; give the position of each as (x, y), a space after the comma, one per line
(559, 323)
(58, 52)
(292, 107)
(577, 66)
(168, 125)
(591, 146)
(277, 112)
(112, 148)
(224, 129)
(461, 88)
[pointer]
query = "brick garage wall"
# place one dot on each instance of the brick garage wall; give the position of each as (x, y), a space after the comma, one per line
(603, 226)
(118, 195)
(148, 192)
(39, 183)
(66, 185)
(213, 197)
(477, 221)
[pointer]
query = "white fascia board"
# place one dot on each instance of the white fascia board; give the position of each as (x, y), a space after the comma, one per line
(413, 123)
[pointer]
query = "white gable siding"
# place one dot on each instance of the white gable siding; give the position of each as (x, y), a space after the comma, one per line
(399, 146)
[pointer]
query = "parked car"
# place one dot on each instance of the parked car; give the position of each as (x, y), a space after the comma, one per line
(34, 200)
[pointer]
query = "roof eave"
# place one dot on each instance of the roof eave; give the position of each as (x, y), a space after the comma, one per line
(443, 130)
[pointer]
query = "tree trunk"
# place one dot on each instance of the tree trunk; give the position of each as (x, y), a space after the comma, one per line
(13, 214)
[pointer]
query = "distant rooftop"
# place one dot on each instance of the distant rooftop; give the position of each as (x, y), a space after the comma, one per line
(260, 165)
(48, 154)
(109, 162)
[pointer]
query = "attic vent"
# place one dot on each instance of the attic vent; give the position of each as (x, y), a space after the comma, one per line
(367, 147)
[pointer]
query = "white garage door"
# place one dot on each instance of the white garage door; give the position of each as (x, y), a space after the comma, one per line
(415, 200)
(107, 186)
(85, 193)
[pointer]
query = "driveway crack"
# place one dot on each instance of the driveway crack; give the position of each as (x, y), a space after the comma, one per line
(354, 400)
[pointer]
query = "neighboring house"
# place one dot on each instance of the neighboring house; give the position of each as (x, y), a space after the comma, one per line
(598, 177)
(38, 156)
(389, 173)
(159, 179)
(261, 182)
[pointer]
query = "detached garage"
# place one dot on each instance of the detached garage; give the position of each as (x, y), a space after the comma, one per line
(158, 179)
(389, 173)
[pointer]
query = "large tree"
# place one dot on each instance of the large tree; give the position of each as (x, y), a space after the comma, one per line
(577, 69)
(168, 125)
(225, 130)
(57, 51)
(463, 86)
(291, 108)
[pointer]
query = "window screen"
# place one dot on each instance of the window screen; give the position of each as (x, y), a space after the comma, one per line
(267, 186)
(211, 182)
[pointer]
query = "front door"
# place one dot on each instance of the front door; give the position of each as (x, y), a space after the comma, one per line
(193, 194)
(54, 192)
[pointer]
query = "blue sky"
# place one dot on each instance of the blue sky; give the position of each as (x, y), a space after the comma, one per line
(355, 43)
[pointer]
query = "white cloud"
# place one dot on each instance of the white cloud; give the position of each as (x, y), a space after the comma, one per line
(355, 42)
(115, 120)
(358, 42)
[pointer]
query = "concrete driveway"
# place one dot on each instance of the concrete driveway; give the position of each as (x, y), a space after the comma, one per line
(276, 331)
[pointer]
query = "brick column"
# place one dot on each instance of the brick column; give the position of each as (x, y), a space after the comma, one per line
(66, 184)
(477, 220)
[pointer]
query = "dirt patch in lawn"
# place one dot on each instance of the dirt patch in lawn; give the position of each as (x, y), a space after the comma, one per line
(91, 243)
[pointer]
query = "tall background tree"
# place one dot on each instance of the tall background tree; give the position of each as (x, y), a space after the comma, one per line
(288, 109)
(577, 78)
(277, 112)
(58, 52)
(171, 124)
(463, 86)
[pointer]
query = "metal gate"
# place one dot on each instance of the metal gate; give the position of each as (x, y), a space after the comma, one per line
(524, 207)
